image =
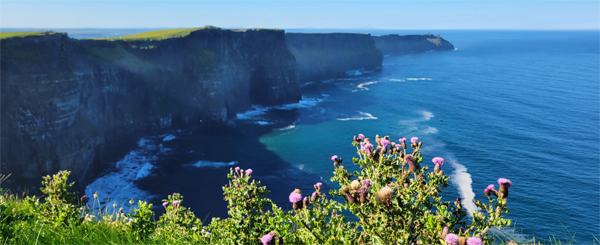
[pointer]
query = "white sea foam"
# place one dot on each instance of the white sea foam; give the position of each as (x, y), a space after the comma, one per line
(288, 127)
(396, 80)
(362, 86)
(303, 103)
(462, 180)
(361, 116)
(169, 137)
(256, 111)
(210, 164)
(430, 130)
(418, 79)
(119, 186)
(262, 123)
(426, 115)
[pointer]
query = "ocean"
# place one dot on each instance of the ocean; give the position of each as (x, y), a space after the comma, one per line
(522, 105)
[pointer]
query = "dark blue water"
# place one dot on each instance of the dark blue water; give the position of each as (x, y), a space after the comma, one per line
(522, 105)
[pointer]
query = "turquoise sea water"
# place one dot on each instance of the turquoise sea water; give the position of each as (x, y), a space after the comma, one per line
(522, 105)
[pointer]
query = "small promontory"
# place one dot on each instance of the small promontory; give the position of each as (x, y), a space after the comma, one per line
(394, 44)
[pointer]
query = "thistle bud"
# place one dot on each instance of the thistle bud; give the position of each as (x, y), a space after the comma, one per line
(445, 232)
(462, 240)
(379, 175)
(458, 203)
(377, 139)
(131, 201)
(406, 185)
(121, 210)
(314, 196)
(115, 205)
(305, 202)
(96, 195)
(488, 190)
(403, 145)
(362, 195)
(420, 144)
(411, 165)
(280, 240)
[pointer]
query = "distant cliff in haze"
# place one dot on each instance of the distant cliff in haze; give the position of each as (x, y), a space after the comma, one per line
(394, 44)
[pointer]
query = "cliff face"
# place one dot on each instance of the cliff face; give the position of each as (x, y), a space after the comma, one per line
(63, 100)
(400, 45)
(331, 55)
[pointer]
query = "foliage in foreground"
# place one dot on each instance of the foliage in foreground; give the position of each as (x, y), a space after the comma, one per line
(392, 200)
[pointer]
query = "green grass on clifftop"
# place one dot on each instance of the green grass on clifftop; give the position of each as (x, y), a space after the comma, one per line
(4, 35)
(156, 35)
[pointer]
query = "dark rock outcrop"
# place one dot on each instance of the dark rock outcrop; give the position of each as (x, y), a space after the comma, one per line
(394, 44)
(331, 55)
(64, 100)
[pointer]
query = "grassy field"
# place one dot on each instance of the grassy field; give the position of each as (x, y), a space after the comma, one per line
(156, 35)
(4, 35)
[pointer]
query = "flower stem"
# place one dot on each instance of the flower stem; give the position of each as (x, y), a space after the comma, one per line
(311, 232)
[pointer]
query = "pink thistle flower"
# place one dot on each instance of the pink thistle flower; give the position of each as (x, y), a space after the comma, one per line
(295, 197)
(505, 182)
(176, 203)
(341, 167)
(319, 184)
(237, 169)
(361, 136)
(474, 241)
(385, 143)
(489, 187)
(334, 157)
(249, 171)
(414, 139)
(438, 160)
(367, 183)
(266, 239)
(402, 140)
(398, 146)
(452, 239)
(165, 204)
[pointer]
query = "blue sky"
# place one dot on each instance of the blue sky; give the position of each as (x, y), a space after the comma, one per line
(419, 15)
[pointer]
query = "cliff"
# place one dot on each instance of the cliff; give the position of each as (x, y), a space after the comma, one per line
(64, 100)
(400, 45)
(331, 55)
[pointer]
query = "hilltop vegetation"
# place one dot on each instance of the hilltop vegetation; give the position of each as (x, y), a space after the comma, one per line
(157, 35)
(4, 35)
(394, 199)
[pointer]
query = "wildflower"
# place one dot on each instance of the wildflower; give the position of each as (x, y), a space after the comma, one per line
(319, 184)
(296, 199)
(361, 136)
(402, 140)
(414, 140)
(452, 239)
(341, 167)
(176, 203)
(237, 170)
(267, 239)
(489, 190)
(305, 202)
(367, 183)
(384, 196)
(280, 240)
(438, 163)
(165, 204)
(385, 143)
(504, 185)
(438, 160)
(362, 195)
(474, 241)
(249, 171)
(96, 195)
(334, 157)
(131, 201)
